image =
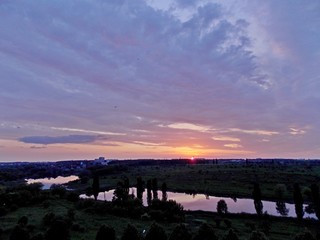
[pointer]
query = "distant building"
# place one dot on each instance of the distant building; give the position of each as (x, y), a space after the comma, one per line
(101, 161)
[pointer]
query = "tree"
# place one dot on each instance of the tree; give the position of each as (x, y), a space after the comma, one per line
(222, 207)
(126, 185)
(279, 192)
(121, 194)
(106, 233)
(155, 188)
(140, 188)
(281, 208)
(180, 232)
(149, 189)
(96, 186)
(164, 191)
(298, 201)
(231, 235)
(205, 232)
(316, 199)
(156, 232)
(256, 194)
(130, 233)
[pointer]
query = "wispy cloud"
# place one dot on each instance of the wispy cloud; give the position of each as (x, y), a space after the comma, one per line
(188, 126)
(232, 145)
(254, 132)
(225, 138)
(87, 131)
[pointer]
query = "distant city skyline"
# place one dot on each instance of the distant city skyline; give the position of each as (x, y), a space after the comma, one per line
(159, 79)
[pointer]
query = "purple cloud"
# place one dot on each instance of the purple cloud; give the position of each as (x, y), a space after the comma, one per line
(46, 140)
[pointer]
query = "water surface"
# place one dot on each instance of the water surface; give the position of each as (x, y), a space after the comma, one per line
(209, 203)
(47, 182)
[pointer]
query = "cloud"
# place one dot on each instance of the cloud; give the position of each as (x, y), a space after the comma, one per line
(188, 126)
(189, 70)
(38, 147)
(225, 138)
(254, 132)
(46, 140)
(87, 131)
(233, 145)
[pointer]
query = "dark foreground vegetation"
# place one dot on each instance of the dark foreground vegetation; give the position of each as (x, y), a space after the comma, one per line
(27, 212)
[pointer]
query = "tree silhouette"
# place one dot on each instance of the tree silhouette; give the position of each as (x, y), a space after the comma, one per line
(316, 199)
(96, 186)
(106, 233)
(256, 194)
(164, 191)
(180, 232)
(149, 189)
(281, 208)
(298, 201)
(155, 188)
(222, 207)
(121, 194)
(140, 188)
(156, 232)
(130, 233)
(279, 192)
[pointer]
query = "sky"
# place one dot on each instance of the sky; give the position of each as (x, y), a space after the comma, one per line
(128, 79)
